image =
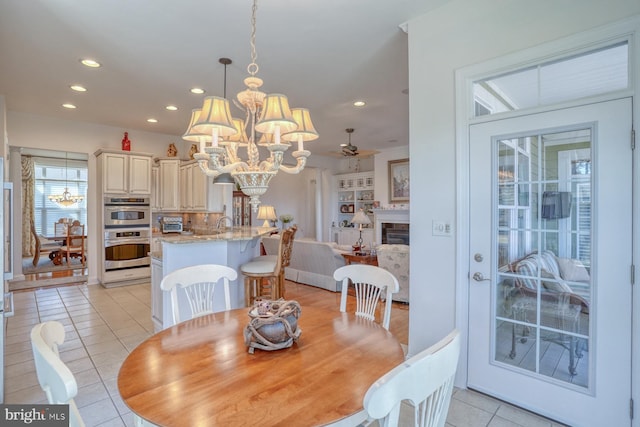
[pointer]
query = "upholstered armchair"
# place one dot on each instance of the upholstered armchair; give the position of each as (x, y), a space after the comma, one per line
(395, 259)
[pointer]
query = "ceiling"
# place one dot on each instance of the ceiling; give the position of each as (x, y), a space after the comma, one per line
(322, 54)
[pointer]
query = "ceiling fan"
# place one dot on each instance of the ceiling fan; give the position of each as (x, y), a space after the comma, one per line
(349, 150)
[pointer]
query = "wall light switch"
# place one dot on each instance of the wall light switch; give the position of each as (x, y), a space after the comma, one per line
(441, 228)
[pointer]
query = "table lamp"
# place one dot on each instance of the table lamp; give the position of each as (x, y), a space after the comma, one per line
(268, 213)
(360, 218)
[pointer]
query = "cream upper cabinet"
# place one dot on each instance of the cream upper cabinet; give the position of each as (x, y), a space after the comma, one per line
(168, 184)
(155, 188)
(125, 173)
(198, 193)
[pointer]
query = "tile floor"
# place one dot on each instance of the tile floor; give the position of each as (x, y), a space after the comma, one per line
(104, 325)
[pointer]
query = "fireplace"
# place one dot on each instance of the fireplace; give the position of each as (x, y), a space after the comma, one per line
(392, 226)
(394, 233)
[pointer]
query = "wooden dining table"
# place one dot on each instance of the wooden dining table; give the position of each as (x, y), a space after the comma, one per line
(200, 373)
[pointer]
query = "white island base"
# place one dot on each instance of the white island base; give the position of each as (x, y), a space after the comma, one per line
(185, 252)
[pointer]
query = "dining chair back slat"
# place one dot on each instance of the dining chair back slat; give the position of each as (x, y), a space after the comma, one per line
(197, 285)
(372, 284)
(425, 380)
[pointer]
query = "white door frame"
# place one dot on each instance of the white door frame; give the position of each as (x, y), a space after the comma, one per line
(628, 29)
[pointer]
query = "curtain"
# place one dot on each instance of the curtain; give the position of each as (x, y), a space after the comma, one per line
(28, 189)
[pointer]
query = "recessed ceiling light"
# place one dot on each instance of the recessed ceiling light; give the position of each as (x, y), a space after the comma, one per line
(359, 104)
(78, 88)
(197, 91)
(69, 106)
(90, 63)
(152, 120)
(171, 108)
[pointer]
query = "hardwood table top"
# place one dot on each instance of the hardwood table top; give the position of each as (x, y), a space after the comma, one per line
(199, 372)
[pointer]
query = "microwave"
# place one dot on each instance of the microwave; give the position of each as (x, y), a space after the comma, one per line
(127, 212)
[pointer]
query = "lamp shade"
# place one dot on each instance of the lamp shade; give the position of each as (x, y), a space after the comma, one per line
(360, 218)
(192, 136)
(305, 129)
(268, 213)
(276, 114)
(215, 114)
(240, 137)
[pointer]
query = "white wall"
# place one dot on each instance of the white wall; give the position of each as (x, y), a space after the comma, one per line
(458, 34)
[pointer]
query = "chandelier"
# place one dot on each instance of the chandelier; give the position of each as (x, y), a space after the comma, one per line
(66, 199)
(268, 121)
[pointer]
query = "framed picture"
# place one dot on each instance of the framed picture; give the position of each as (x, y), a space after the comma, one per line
(399, 181)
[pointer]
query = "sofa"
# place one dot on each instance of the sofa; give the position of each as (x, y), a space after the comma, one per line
(312, 262)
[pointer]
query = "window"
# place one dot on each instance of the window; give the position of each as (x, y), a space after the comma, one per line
(592, 73)
(52, 176)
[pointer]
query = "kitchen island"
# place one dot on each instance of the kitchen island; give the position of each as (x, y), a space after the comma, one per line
(231, 247)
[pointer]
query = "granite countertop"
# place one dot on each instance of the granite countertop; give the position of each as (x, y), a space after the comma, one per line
(226, 234)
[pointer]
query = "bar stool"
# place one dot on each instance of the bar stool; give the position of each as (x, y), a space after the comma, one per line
(264, 275)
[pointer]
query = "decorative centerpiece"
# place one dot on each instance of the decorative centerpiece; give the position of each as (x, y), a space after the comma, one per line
(273, 325)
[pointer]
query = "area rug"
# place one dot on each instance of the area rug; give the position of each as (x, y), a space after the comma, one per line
(45, 265)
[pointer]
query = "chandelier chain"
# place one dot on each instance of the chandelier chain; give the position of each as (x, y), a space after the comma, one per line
(253, 68)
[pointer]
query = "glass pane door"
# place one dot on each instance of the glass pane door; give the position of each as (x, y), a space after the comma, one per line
(543, 184)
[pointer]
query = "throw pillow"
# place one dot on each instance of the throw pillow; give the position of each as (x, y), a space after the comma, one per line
(554, 285)
(573, 270)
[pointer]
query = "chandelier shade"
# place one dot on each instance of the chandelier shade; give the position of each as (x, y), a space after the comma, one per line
(240, 137)
(276, 115)
(215, 119)
(191, 135)
(266, 118)
(305, 130)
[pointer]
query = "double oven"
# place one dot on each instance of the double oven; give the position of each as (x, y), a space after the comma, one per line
(127, 233)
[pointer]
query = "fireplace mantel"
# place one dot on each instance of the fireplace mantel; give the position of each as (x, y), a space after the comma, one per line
(399, 216)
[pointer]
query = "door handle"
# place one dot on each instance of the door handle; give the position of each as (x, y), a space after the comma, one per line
(478, 277)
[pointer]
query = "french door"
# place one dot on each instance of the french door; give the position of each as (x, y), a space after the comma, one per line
(550, 256)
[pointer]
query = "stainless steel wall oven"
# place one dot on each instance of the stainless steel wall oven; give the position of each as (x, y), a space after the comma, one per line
(126, 248)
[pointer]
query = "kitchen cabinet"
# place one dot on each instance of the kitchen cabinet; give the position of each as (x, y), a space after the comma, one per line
(155, 188)
(241, 209)
(198, 193)
(124, 173)
(168, 184)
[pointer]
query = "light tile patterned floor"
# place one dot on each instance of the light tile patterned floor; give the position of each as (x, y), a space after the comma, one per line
(104, 325)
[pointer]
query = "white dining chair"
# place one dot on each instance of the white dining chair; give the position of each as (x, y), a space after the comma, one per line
(197, 284)
(55, 378)
(425, 380)
(371, 285)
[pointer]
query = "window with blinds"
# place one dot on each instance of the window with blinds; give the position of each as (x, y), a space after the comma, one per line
(52, 176)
